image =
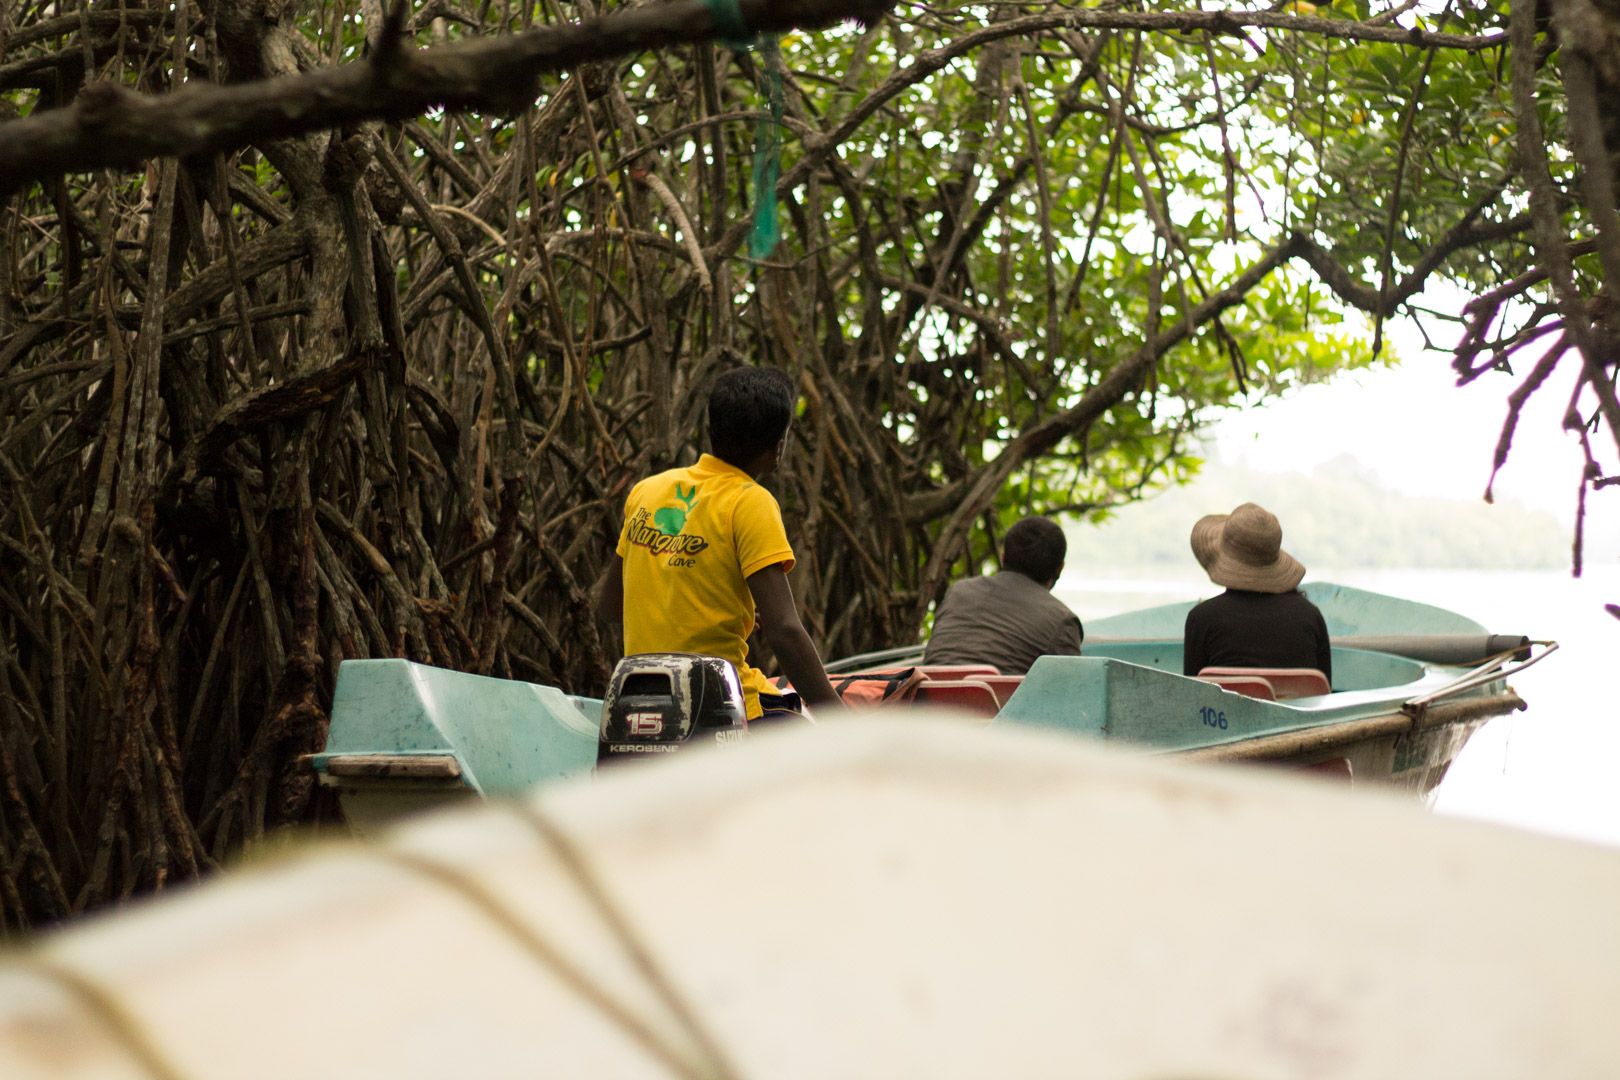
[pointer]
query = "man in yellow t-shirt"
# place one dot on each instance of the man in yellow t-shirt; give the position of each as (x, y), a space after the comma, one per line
(703, 555)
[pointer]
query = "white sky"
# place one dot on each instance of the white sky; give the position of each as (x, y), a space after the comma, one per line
(1423, 435)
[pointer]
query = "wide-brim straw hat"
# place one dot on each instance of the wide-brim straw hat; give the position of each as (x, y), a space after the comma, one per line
(1206, 539)
(1248, 552)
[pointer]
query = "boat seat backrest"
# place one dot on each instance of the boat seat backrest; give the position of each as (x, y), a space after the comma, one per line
(1286, 682)
(967, 695)
(1254, 686)
(950, 672)
(1001, 685)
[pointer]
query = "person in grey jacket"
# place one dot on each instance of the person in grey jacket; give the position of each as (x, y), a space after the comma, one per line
(1010, 618)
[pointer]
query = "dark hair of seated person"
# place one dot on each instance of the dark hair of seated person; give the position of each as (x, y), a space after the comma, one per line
(749, 412)
(1035, 547)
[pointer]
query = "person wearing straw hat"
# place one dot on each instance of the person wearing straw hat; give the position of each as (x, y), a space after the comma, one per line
(1262, 619)
(1206, 539)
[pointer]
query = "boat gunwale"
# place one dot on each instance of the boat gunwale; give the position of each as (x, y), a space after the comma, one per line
(1434, 677)
(1298, 716)
(1318, 738)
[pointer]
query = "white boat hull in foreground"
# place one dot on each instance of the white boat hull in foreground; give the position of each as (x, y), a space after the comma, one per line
(893, 898)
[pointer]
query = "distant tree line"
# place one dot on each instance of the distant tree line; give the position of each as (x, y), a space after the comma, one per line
(1337, 517)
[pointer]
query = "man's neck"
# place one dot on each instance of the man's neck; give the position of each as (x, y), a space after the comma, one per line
(1047, 585)
(756, 469)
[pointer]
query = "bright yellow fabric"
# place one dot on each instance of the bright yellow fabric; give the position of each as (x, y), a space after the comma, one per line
(690, 540)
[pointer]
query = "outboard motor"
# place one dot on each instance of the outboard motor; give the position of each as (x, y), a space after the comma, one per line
(659, 703)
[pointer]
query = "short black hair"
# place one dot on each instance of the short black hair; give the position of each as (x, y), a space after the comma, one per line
(750, 409)
(1035, 547)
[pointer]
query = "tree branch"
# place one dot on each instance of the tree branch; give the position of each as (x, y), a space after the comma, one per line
(1385, 302)
(1104, 395)
(108, 126)
(930, 61)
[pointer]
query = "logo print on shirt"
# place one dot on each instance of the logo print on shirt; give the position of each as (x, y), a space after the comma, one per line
(643, 534)
(670, 520)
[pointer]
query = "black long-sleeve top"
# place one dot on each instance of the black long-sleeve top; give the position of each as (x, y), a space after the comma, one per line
(1250, 629)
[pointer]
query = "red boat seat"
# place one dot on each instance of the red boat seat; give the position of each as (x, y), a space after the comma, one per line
(1001, 685)
(1286, 682)
(949, 672)
(1254, 686)
(966, 695)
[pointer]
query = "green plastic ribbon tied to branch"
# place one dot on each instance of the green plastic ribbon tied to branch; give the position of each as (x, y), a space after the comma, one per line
(765, 235)
(732, 30)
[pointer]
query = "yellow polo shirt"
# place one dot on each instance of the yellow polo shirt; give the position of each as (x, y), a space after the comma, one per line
(690, 540)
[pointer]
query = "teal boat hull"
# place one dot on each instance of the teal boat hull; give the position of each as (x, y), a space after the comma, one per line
(1128, 688)
(1123, 701)
(405, 736)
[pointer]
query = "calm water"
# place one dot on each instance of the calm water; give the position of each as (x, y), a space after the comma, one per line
(1552, 768)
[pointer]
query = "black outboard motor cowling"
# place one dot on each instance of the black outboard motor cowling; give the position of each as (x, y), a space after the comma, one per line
(659, 703)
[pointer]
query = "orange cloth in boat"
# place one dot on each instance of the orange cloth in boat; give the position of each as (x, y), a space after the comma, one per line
(690, 540)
